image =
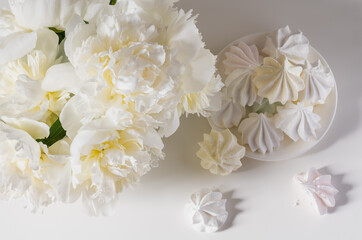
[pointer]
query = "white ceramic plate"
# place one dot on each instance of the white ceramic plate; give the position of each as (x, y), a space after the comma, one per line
(289, 149)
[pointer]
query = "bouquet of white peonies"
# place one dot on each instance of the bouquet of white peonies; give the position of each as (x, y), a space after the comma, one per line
(88, 89)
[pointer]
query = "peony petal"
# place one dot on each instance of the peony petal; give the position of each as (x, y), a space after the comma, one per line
(16, 46)
(200, 72)
(94, 9)
(76, 34)
(35, 14)
(73, 23)
(70, 117)
(47, 42)
(29, 88)
(61, 77)
(26, 146)
(171, 125)
(37, 130)
(60, 148)
(153, 139)
(185, 36)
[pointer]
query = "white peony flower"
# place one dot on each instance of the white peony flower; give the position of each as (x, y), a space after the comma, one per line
(142, 58)
(21, 92)
(130, 71)
(107, 158)
(30, 169)
(37, 14)
(19, 19)
(204, 102)
(8, 24)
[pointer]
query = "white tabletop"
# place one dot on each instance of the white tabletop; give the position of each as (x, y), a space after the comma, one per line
(261, 194)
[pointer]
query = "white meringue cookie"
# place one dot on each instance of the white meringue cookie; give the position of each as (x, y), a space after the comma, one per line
(241, 56)
(297, 121)
(278, 80)
(295, 46)
(319, 188)
(318, 83)
(220, 152)
(228, 116)
(241, 88)
(207, 210)
(259, 132)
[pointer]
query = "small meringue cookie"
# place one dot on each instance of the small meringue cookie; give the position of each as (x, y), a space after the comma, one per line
(278, 80)
(207, 210)
(319, 82)
(297, 121)
(241, 88)
(220, 152)
(228, 116)
(241, 56)
(294, 46)
(260, 133)
(319, 188)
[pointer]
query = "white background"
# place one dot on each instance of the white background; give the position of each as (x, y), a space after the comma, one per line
(260, 195)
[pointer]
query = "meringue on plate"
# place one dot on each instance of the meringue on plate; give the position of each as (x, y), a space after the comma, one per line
(240, 87)
(319, 82)
(260, 133)
(278, 80)
(228, 116)
(273, 83)
(297, 121)
(282, 42)
(241, 56)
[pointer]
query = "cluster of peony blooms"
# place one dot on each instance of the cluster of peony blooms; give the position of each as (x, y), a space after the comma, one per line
(88, 89)
(267, 95)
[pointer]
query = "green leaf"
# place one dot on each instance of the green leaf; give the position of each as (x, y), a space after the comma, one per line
(56, 133)
(264, 107)
(56, 30)
(113, 2)
(60, 33)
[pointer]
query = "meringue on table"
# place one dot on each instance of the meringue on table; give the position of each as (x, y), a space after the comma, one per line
(220, 152)
(207, 210)
(319, 188)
